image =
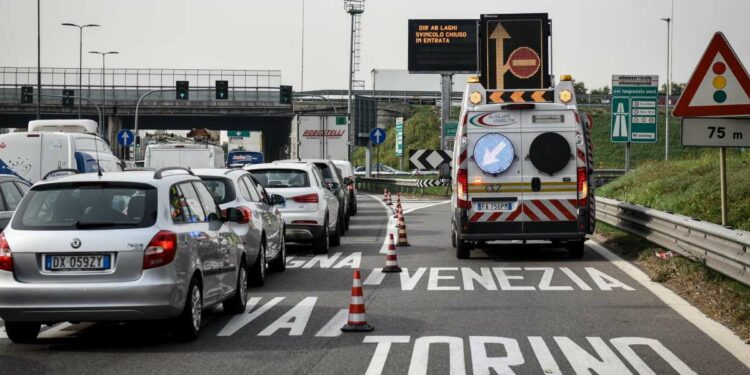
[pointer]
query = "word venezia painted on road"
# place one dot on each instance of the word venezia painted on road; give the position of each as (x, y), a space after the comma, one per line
(484, 359)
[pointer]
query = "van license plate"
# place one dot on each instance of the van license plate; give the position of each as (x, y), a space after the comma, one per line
(93, 262)
(494, 206)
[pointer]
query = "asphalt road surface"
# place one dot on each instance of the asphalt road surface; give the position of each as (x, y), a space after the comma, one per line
(508, 309)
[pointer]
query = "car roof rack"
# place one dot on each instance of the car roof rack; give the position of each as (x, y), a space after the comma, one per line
(160, 171)
(75, 171)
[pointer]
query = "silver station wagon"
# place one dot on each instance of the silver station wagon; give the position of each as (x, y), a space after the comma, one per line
(119, 247)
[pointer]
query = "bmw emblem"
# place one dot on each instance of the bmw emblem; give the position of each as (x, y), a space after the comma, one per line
(76, 243)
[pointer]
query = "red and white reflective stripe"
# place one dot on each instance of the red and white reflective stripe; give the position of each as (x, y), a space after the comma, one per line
(550, 210)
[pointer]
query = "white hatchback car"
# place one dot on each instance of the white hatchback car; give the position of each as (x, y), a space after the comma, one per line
(311, 210)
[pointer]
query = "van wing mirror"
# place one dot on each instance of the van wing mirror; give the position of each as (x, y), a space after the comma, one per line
(444, 171)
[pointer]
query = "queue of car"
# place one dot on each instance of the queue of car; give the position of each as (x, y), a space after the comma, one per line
(93, 244)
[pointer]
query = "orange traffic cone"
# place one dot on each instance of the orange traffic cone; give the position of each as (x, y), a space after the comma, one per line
(385, 195)
(397, 210)
(391, 261)
(388, 200)
(357, 322)
(398, 198)
(402, 241)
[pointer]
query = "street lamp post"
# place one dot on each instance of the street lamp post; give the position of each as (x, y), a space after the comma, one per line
(104, 87)
(80, 58)
(668, 20)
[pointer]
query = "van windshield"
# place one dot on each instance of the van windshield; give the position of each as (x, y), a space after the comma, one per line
(81, 206)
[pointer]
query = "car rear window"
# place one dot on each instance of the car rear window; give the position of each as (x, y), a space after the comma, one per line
(248, 156)
(281, 178)
(220, 188)
(84, 206)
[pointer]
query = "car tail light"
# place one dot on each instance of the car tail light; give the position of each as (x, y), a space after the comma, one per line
(462, 180)
(161, 250)
(304, 222)
(583, 187)
(6, 258)
(307, 198)
(247, 215)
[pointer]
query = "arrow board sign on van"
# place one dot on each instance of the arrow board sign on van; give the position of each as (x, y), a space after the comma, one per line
(719, 86)
(428, 159)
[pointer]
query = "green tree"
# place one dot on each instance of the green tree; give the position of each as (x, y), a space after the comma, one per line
(677, 89)
(579, 87)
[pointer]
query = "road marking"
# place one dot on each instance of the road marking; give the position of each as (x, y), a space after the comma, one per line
(295, 319)
(352, 261)
(241, 320)
(333, 327)
(375, 278)
(719, 333)
(389, 227)
(603, 359)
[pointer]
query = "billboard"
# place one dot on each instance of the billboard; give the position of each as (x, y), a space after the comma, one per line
(514, 51)
(442, 46)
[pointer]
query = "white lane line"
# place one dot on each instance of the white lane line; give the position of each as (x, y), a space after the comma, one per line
(389, 226)
(425, 206)
(333, 327)
(719, 333)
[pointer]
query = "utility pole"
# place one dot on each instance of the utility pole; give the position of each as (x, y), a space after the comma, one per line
(354, 8)
(668, 20)
(38, 60)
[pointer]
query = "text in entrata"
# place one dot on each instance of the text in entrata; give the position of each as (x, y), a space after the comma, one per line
(443, 46)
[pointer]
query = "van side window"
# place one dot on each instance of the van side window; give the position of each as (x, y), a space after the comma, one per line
(210, 208)
(195, 211)
(177, 205)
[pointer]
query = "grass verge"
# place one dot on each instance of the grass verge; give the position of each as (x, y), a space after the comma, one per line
(719, 297)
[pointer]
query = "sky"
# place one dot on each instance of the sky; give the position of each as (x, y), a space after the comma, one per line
(592, 39)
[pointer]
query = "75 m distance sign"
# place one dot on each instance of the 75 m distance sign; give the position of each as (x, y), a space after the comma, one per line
(716, 132)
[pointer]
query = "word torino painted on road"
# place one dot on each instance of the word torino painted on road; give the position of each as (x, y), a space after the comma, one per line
(503, 278)
(483, 351)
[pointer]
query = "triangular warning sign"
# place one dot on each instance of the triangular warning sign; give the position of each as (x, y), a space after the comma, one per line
(719, 86)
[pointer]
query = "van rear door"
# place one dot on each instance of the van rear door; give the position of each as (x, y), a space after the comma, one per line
(549, 171)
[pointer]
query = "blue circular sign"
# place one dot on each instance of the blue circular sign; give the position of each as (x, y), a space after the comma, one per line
(125, 137)
(377, 136)
(494, 153)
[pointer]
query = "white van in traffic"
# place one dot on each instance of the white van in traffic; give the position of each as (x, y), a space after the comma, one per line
(185, 155)
(55, 144)
(521, 169)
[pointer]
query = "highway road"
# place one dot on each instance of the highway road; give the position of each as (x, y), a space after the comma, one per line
(508, 309)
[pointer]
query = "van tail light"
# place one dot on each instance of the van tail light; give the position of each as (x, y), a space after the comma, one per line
(161, 250)
(583, 187)
(6, 258)
(307, 198)
(462, 190)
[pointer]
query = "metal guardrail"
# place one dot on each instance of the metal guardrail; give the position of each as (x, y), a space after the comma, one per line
(394, 185)
(603, 176)
(722, 249)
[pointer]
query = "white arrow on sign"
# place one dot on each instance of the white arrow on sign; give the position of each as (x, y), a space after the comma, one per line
(377, 135)
(490, 157)
(125, 137)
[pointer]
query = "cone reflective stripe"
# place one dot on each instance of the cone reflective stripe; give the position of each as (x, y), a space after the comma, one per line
(385, 195)
(398, 198)
(402, 241)
(357, 321)
(397, 210)
(388, 199)
(399, 218)
(391, 260)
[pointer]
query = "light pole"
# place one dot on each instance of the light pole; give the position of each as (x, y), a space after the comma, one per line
(38, 60)
(80, 58)
(302, 68)
(354, 8)
(104, 87)
(668, 20)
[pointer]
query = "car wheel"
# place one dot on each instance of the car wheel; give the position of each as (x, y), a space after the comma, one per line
(463, 248)
(453, 238)
(257, 275)
(22, 332)
(336, 235)
(346, 222)
(236, 304)
(279, 263)
(575, 249)
(188, 324)
(321, 245)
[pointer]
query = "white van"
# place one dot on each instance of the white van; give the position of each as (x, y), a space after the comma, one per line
(55, 144)
(185, 155)
(521, 168)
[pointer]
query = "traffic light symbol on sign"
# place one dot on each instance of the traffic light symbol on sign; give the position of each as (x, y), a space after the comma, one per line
(719, 82)
(183, 90)
(285, 94)
(27, 94)
(68, 101)
(222, 90)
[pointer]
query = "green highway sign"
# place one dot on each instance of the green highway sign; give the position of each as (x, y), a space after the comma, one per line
(399, 136)
(449, 129)
(634, 109)
(238, 133)
(340, 120)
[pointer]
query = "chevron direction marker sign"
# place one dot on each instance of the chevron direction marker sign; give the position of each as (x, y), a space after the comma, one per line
(537, 96)
(428, 159)
(431, 183)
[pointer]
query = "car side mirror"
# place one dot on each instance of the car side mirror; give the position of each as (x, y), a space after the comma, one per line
(444, 171)
(277, 200)
(348, 181)
(334, 186)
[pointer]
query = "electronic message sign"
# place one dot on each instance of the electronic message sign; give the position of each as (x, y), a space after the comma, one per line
(443, 46)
